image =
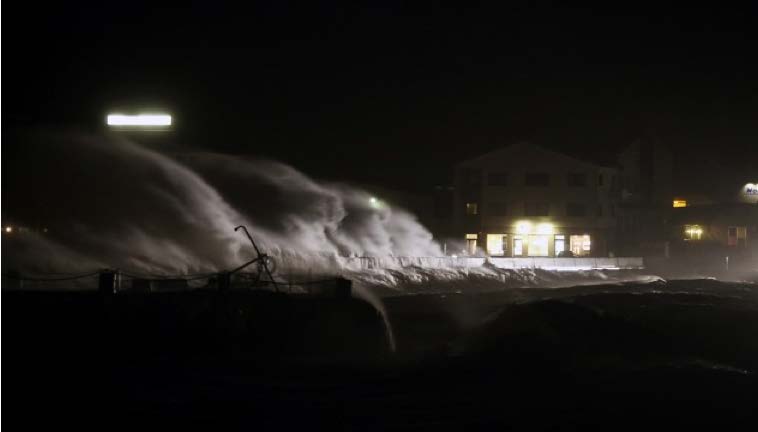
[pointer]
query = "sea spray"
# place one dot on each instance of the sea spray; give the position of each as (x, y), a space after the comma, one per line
(109, 201)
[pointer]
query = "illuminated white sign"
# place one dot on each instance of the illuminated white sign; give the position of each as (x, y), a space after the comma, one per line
(139, 120)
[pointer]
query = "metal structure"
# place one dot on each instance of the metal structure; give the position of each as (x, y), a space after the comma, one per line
(263, 261)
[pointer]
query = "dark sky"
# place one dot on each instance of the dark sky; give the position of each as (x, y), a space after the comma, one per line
(395, 93)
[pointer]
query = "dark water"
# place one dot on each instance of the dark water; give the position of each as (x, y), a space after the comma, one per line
(681, 354)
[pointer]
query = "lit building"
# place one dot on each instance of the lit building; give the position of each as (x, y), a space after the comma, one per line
(527, 201)
(727, 227)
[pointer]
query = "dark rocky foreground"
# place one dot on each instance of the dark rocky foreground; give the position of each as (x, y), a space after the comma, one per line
(684, 354)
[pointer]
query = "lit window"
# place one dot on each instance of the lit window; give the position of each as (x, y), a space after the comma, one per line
(496, 244)
(538, 245)
(680, 203)
(693, 232)
(580, 245)
(518, 246)
(560, 243)
(472, 209)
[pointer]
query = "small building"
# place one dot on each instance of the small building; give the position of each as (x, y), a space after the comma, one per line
(527, 201)
(718, 229)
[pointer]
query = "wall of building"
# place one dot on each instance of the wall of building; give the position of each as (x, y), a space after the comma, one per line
(497, 183)
(646, 197)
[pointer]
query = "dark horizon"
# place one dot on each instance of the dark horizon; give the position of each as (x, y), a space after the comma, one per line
(396, 94)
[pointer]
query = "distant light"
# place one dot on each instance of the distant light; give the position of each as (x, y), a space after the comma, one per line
(9, 229)
(139, 120)
(455, 256)
(524, 227)
(375, 203)
(680, 203)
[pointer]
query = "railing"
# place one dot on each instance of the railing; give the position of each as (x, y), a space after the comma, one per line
(111, 281)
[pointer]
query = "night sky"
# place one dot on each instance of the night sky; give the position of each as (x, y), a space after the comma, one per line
(394, 93)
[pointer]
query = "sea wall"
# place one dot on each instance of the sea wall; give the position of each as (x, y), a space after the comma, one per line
(369, 263)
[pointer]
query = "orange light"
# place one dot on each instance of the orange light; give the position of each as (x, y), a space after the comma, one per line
(680, 203)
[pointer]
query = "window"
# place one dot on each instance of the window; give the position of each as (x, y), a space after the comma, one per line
(538, 245)
(576, 210)
(560, 244)
(693, 232)
(471, 243)
(497, 208)
(576, 179)
(580, 244)
(678, 203)
(497, 244)
(600, 179)
(472, 209)
(497, 178)
(537, 179)
(536, 209)
(518, 246)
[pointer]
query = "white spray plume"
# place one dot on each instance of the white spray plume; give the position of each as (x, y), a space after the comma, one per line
(112, 202)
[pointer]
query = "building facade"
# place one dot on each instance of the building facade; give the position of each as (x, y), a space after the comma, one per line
(646, 175)
(725, 228)
(527, 201)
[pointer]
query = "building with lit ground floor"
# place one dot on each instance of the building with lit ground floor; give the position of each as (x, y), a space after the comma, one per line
(527, 201)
